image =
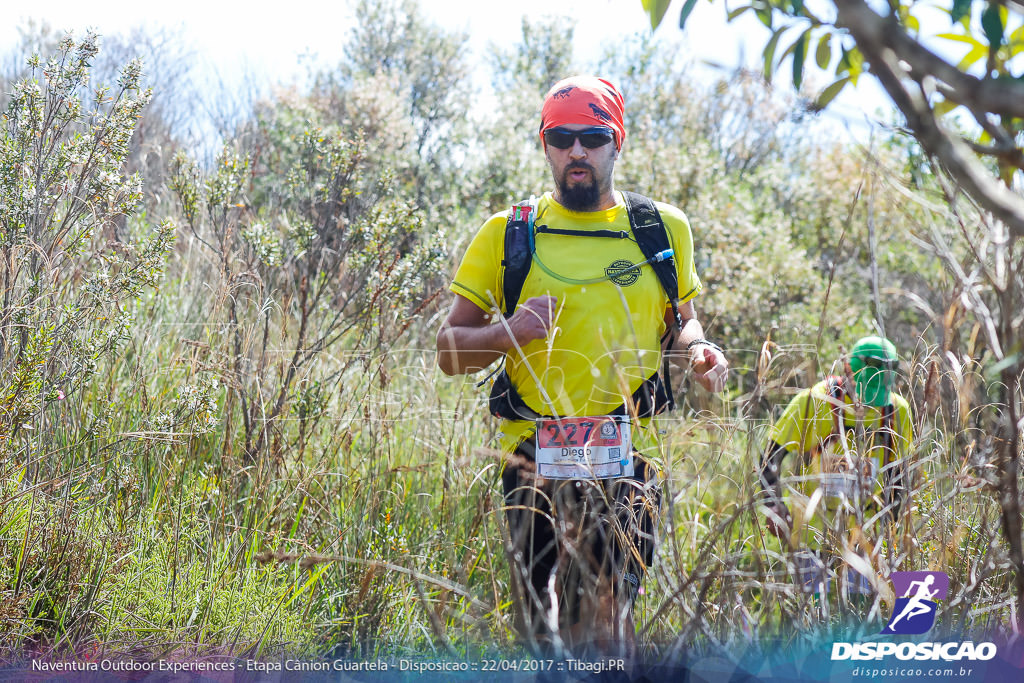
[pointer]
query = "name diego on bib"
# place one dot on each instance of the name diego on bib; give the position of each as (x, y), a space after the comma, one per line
(584, 447)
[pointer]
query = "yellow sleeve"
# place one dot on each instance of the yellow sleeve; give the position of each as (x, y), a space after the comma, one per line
(903, 427)
(681, 238)
(478, 277)
(805, 423)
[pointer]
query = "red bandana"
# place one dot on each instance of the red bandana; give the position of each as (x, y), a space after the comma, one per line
(584, 100)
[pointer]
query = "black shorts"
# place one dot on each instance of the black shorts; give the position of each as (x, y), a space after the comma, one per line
(579, 530)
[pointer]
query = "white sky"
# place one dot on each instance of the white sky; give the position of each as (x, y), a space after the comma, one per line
(229, 31)
(239, 37)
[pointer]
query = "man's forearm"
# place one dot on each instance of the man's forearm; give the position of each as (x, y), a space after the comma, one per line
(895, 489)
(463, 350)
(468, 341)
(768, 471)
(692, 330)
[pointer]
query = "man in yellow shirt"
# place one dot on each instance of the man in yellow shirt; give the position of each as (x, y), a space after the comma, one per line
(852, 434)
(582, 352)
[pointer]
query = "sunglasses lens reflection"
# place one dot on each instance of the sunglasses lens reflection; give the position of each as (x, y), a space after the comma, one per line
(591, 138)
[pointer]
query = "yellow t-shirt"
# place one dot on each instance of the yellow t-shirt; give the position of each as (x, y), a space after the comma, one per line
(808, 422)
(607, 332)
(850, 473)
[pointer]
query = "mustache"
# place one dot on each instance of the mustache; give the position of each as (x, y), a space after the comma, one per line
(579, 165)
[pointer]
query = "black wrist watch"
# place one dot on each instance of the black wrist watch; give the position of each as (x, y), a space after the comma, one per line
(704, 342)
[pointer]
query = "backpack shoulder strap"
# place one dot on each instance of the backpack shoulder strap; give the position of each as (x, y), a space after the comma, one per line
(836, 392)
(652, 238)
(517, 256)
(888, 433)
(835, 387)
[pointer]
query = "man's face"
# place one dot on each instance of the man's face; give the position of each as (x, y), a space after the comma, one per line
(583, 176)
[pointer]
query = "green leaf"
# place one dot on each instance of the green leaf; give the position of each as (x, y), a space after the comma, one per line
(298, 516)
(769, 53)
(765, 15)
(737, 12)
(656, 10)
(992, 24)
(944, 107)
(961, 9)
(823, 55)
(829, 93)
(976, 53)
(314, 576)
(792, 48)
(1016, 41)
(912, 24)
(799, 53)
(993, 372)
(960, 38)
(851, 64)
(685, 12)
(798, 6)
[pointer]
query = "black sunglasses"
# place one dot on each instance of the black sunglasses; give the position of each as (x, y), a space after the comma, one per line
(591, 138)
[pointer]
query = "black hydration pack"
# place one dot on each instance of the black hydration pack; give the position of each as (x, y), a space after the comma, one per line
(650, 234)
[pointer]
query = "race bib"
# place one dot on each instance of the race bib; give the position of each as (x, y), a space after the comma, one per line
(584, 447)
(847, 476)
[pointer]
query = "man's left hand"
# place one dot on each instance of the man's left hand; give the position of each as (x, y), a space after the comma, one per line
(710, 367)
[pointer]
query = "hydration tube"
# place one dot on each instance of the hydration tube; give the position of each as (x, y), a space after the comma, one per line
(660, 256)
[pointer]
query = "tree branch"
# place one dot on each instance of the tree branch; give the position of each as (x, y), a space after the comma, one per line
(886, 47)
(1011, 155)
(999, 97)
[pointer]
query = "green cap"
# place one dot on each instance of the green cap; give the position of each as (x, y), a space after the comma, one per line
(873, 361)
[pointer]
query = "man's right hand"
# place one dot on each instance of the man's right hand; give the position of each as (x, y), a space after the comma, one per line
(778, 520)
(533, 319)
(469, 340)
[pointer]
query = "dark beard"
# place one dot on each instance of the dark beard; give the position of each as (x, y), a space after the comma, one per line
(582, 196)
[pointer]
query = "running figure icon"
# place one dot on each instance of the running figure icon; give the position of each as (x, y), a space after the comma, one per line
(914, 613)
(916, 604)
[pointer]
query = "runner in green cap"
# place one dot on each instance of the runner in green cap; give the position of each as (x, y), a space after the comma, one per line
(853, 434)
(873, 363)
